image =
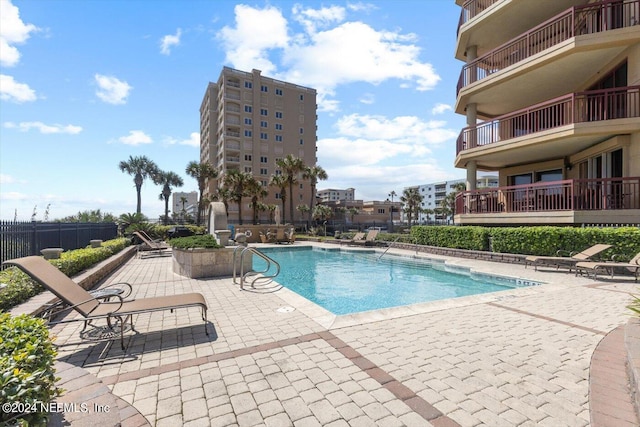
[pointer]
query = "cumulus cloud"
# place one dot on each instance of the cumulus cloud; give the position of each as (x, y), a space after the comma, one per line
(13, 31)
(441, 108)
(112, 90)
(256, 31)
(168, 41)
(135, 137)
(44, 128)
(192, 141)
(13, 195)
(11, 90)
(328, 51)
(403, 128)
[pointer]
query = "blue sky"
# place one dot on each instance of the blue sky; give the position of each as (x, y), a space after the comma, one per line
(86, 84)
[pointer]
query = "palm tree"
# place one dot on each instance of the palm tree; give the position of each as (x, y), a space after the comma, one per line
(280, 183)
(256, 191)
(141, 168)
(314, 174)
(290, 166)
(412, 199)
(237, 184)
(201, 172)
(448, 204)
(167, 180)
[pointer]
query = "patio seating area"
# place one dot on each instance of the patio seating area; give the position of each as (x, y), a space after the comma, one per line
(520, 357)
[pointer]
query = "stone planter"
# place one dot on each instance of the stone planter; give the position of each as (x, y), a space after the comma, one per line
(51, 253)
(200, 262)
(95, 243)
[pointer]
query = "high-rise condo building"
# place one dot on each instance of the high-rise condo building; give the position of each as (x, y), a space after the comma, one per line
(247, 123)
(551, 93)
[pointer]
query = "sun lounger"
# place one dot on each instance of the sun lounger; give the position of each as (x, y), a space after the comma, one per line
(358, 237)
(151, 247)
(369, 239)
(565, 261)
(609, 267)
(92, 308)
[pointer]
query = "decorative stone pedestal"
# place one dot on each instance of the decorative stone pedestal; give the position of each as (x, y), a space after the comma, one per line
(222, 236)
(51, 253)
(95, 243)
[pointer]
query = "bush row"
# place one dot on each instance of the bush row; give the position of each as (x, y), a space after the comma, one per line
(157, 231)
(27, 375)
(20, 287)
(542, 240)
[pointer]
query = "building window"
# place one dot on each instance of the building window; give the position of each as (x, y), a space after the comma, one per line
(264, 171)
(248, 109)
(248, 133)
(263, 124)
(263, 159)
(301, 131)
(248, 85)
(278, 114)
(301, 141)
(301, 97)
(248, 157)
(247, 169)
(263, 88)
(279, 92)
(264, 112)
(263, 135)
(247, 121)
(278, 126)
(278, 138)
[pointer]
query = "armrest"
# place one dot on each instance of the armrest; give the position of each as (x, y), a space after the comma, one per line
(125, 293)
(562, 252)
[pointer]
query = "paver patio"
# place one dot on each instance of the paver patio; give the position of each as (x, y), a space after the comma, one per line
(515, 358)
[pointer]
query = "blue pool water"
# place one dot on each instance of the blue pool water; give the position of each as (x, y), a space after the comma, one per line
(345, 282)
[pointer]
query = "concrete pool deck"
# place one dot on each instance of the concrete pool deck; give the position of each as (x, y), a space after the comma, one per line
(522, 357)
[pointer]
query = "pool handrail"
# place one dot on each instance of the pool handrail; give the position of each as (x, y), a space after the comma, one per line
(389, 247)
(260, 275)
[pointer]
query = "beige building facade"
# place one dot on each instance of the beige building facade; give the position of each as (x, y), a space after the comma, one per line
(551, 93)
(248, 122)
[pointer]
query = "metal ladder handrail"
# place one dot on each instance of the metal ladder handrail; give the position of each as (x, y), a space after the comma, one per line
(389, 247)
(260, 275)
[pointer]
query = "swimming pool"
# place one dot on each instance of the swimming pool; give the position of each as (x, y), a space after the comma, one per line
(345, 282)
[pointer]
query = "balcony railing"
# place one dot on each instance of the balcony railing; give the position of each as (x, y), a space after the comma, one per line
(587, 19)
(581, 107)
(567, 195)
(471, 8)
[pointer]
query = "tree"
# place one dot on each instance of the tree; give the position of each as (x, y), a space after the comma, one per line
(314, 174)
(412, 200)
(448, 204)
(256, 191)
(280, 183)
(304, 209)
(237, 183)
(290, 166)
(141, 168)
(167, 180)
(202, 172)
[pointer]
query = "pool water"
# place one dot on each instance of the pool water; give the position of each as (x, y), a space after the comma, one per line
(345, 282)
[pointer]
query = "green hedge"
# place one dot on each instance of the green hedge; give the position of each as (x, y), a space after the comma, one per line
(27, 375)
(198, 241)
(543, 240)
(473, 238)
(20, 287)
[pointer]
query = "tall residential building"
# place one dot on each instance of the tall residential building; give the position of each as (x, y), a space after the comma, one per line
(247, 122)
(184, 204)
(336, 195)
(551, 93)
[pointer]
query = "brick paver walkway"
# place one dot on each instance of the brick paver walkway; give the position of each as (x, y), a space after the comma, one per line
(517, 358)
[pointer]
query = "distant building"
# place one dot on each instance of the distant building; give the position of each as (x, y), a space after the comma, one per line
(335, 195)
(247, 123)
(184, 202)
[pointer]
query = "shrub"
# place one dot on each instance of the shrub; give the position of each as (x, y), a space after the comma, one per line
(197, 241)
(27, 375)
(473, 238)
(21, 287)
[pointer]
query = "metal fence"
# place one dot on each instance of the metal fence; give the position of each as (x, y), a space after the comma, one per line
(19, 239)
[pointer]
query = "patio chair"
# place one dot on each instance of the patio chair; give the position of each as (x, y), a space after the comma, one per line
(565, 261)
(609, 266)
(369, 239)
(358, 237)
(152, 247)
(93, 308)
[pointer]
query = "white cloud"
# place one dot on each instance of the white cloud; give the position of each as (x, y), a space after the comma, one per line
(44, 128)
(135, 137)
(11, 90)
(403, 128)
(328, 52)
(192, 141)
(441, 108)
(12, 31)
(111, 90)
(13, 195)
(368, 98)
(6, 179)
(256, 31)
(168, 41)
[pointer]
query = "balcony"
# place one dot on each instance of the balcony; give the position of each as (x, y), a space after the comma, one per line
(576, 21)
(601, 200)
(572, 109)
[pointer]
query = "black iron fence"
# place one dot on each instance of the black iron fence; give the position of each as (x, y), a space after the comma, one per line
(19, 239)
